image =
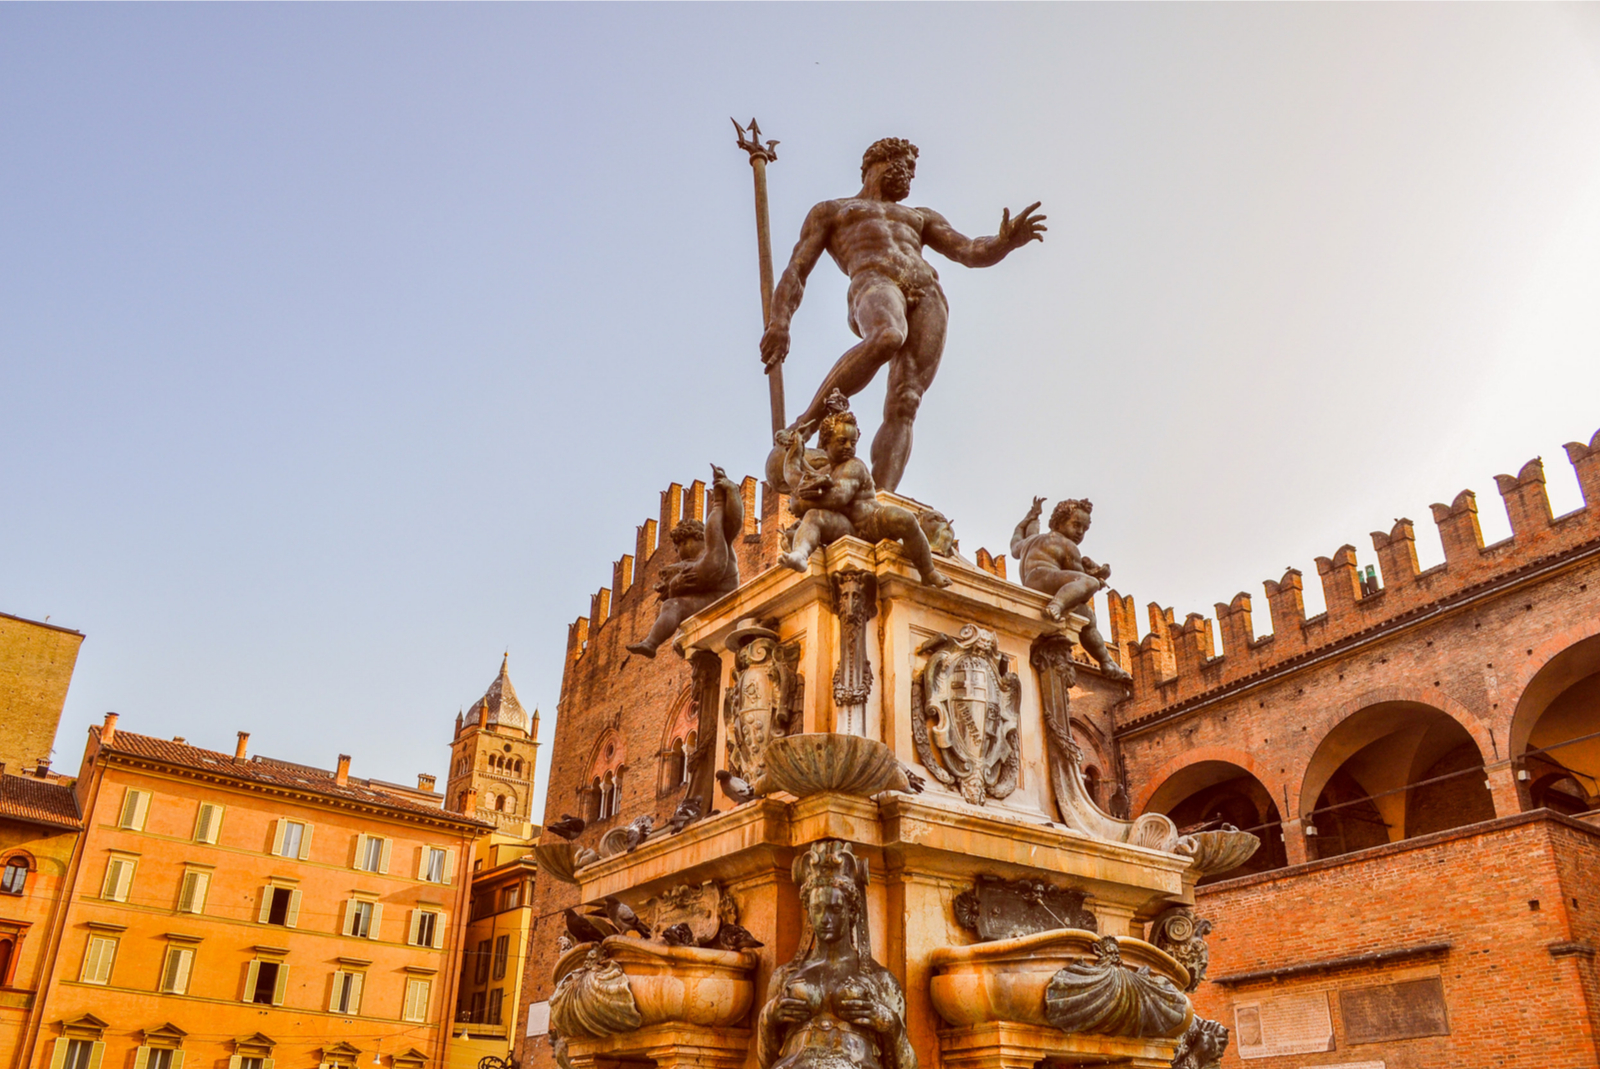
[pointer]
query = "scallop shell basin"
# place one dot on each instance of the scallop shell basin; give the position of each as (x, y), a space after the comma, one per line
(824, 762)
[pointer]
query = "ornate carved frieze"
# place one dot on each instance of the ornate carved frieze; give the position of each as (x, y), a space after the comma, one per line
(965, 714)
(1105, 997)
(1183, 935)
(764, 696)
(996, 908)
(855, 601)
(704, 907)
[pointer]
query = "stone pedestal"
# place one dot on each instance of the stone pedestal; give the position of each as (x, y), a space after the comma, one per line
(863, 668)
(668, 1046)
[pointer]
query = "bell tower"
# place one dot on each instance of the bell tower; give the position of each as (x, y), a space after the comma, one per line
(492, 758)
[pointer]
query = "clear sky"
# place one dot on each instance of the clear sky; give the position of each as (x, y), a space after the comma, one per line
(342, 347)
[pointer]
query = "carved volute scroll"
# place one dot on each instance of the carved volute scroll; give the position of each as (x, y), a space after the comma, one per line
(1052, 659)
(764, 697)
(1183, 935)
(965, 715)
(855, 601)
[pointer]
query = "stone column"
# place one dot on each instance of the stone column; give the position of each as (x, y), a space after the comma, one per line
(855, 601)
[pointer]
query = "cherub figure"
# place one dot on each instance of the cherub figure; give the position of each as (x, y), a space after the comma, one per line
(835, 496)
(707, 567)
(1052, 563)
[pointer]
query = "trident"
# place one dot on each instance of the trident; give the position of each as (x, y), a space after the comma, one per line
(759, 158)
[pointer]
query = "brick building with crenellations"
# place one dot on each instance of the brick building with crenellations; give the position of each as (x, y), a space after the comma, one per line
(1420, 762)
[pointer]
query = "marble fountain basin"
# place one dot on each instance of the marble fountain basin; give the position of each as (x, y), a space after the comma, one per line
(677, 985)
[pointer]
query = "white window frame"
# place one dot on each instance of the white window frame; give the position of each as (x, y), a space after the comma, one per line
(208, 823)
(93, 1051)
(177, 966)
(347, 988)
(135, 808)
(99, 957)
(192, 890)
(443, 871)
(147, 1057)
(280, 983)
(118, 880)
(280, 839)
(426, 918)
(374, 925)
(365, 846)
(419, 992)
(291, 910)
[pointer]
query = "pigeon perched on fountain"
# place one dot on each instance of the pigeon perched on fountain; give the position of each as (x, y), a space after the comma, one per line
(678, 935)
(622, 915)
(582, 929)
(688, 811)
(568, 827)
(734, 937)
(736, 789)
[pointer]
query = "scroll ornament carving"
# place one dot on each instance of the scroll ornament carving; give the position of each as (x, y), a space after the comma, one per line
(1183, 935)
(1105, 997)
(764, 697)
(1052, 659)
(965, 715)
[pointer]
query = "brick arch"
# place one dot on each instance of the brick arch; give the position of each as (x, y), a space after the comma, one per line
(1529, 668)
(1434, 697)
(597, 764)
(1273, 782)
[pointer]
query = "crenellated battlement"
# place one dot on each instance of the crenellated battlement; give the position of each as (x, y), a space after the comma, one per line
(1176, 663)
(633, 574)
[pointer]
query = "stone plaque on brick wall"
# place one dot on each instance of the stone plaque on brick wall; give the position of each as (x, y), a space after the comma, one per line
(1284, 1024)
(1394, 1011)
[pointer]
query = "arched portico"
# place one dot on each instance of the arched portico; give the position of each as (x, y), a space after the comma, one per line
(1557, 711)
(1206, 790)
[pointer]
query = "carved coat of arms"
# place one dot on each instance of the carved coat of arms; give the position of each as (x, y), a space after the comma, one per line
(965, 713)
(764, 697)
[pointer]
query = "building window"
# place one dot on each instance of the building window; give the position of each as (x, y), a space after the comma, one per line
(511, 896)
(192, 892)
(292, 839)
(208, 823)
(157, 1058)
(416, 1004)
(496, 998)
(15, 878)
(8, 950)
(481, 970)
(279, 905)
(475, 1014)
(135, 805)
(427, 929)
(608, 797)
(436, 864)
(265, 982)
(119, 878)
(372, 853)
(361, 918)
(175, 970)
(78, 1053)
(346, 992)
(254, 1063)
(502, 951)
(98, 959)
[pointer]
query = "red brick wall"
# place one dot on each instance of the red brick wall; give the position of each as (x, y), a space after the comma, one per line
(1511, 1003)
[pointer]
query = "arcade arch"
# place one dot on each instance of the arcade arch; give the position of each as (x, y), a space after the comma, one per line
(1558, 712)
(1389, 771)
(1209, 793)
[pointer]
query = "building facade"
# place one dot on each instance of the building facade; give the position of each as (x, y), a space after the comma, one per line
(243, 910)
(36, 663)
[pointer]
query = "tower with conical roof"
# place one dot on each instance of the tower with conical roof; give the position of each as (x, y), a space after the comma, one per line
(492, 758)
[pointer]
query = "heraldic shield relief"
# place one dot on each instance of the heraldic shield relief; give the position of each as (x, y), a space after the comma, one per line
(965, 714)
(764, 697)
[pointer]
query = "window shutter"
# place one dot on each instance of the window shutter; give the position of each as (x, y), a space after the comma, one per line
(108, 888)
(266, 905)
(141, 808)
(251, 975)
(349, 917)
(293, 918)
(449, 866)
(439, 922)
(141, 1057)
(208, 824)
(186, 893)
(282, 984)
(338, 987)
(305, 843)
(422, 862)
(195, 885)
(361, 851)
(185, 963)
(96, 1052)
(235, 1062)
(130, 809)
(357, 982)
(177, 1060)
(383, 857)
(266, 1063)
(377, 920)
(278, 830)
(58, 1056)
(124, 880)
(411, 931)
(91, 961)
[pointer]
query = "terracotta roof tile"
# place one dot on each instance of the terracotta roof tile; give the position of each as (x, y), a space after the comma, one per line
(38, 801)
(270, 771)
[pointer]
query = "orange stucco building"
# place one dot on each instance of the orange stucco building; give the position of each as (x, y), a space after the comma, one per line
(239, 911)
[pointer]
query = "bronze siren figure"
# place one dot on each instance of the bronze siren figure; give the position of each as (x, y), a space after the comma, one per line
(897, 308)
